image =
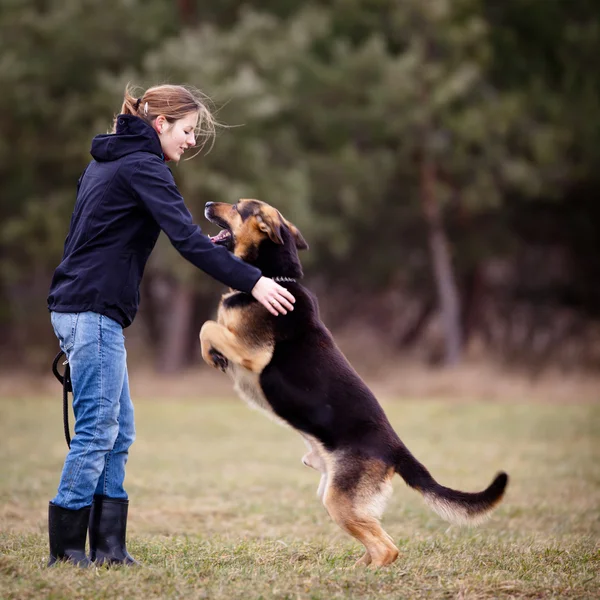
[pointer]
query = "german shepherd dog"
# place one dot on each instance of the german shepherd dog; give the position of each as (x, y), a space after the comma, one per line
(290, 366)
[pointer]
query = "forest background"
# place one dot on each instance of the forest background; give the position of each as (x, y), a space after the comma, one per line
(442, 158)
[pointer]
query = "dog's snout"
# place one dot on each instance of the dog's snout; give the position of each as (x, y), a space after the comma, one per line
(208, 204)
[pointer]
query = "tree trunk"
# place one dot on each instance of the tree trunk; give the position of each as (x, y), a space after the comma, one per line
(473, 302)
(175, 347)
(411, 334)
(442, 264)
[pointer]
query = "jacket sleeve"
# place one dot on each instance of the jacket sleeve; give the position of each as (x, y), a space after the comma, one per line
(155, 187)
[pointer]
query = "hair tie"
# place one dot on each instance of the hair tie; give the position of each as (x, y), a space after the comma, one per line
(137, 104)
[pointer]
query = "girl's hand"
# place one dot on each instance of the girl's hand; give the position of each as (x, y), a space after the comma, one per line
(274, 297)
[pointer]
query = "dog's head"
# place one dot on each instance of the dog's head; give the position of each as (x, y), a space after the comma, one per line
(258, 234)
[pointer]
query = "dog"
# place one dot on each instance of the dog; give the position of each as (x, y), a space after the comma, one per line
(290, 367)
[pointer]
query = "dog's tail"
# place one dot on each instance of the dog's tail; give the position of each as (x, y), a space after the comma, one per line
(453, 506)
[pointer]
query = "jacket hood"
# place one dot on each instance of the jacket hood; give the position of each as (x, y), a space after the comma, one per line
(133, 135)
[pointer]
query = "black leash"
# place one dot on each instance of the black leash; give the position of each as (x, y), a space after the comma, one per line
(67, 387)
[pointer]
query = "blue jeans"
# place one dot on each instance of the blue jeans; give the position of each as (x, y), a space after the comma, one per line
(104, 420)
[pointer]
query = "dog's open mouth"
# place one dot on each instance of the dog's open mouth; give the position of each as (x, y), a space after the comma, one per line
(223, 238)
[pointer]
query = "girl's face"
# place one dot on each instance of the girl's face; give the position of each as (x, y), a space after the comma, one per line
(177, 137)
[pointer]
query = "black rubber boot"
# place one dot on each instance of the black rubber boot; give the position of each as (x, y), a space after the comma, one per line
(108, 524)
(67, 530)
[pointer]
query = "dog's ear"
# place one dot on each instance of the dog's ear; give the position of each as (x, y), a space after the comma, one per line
(270, 227)
(298, 238)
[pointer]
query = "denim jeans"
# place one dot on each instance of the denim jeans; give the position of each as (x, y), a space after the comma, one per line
(104, 420)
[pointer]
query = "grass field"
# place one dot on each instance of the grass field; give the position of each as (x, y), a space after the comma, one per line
(221, 507)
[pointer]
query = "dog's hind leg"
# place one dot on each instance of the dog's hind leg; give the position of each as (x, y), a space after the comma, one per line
(355, 499)
(315, 460)
(322, 486)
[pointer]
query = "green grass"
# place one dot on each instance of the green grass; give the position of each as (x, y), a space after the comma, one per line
(221, 507)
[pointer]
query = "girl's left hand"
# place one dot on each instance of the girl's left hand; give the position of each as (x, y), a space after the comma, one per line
(274, 297)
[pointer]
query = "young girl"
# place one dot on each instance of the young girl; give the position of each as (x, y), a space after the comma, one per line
(125, 197)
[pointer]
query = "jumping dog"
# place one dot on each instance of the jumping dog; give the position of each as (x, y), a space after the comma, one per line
(290, 367)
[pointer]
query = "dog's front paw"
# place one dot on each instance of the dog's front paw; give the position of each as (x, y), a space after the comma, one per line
(218, 360)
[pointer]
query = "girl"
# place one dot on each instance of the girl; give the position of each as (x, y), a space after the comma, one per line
(125, 197)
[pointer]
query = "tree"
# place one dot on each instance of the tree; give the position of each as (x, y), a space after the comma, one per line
(54, 55)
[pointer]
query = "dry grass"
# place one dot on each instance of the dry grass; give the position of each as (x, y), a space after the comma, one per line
(222, 508)
(474, 380)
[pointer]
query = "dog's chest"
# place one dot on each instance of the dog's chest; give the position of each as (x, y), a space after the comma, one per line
(247, 386)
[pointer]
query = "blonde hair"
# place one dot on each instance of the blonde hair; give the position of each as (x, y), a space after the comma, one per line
(174, 102)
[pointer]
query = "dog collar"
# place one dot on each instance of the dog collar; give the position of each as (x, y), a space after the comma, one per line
(282, 279)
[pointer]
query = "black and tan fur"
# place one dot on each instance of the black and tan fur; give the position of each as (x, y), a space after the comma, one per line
(290, 366)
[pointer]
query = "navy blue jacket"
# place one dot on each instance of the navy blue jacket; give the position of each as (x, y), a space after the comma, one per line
(125, 196)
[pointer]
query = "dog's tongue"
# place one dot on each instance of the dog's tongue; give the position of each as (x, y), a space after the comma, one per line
(220, 236)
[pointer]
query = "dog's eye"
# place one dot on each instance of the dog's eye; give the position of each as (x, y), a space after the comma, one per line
(235, 207)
